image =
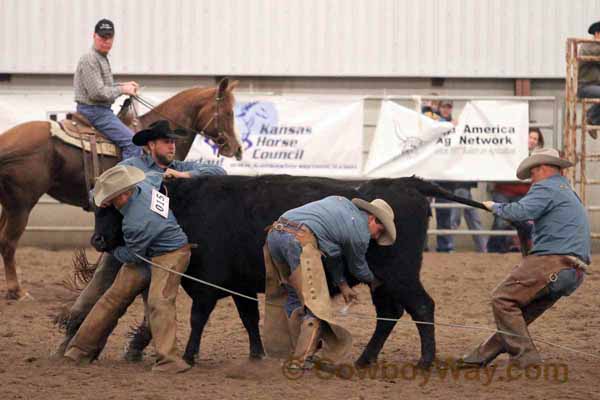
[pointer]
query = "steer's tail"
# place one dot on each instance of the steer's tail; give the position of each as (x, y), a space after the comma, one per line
(431, 189)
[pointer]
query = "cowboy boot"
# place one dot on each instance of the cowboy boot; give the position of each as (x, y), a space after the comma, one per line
(308, 340)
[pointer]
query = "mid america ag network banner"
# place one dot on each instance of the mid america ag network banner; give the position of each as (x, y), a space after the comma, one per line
(488, 143)
(316, 136)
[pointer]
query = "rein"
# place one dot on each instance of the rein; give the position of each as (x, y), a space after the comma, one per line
(219, 140)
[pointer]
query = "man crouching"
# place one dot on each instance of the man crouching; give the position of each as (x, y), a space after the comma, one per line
(149, 230)
(299, 315)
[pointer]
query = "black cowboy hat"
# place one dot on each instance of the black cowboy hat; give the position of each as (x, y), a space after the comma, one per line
(595, 27)
(157, 130)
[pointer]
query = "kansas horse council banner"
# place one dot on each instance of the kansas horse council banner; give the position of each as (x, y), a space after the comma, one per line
(487, 144)
(296, 135)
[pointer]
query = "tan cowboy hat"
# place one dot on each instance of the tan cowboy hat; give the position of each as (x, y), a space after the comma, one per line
(384, 213)
(546, 156)
(115, 181)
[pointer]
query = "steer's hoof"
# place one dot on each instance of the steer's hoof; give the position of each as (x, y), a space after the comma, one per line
(257, 355)
(364, 363)
(133, 355)
(424, 364)
(19, 295)
(190, 359)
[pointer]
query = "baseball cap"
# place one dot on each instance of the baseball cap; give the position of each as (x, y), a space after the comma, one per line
(105, 28)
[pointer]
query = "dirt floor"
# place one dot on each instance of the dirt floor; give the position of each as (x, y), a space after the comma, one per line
(460, 284)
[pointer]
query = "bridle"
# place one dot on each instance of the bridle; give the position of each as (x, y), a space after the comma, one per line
(220, 140)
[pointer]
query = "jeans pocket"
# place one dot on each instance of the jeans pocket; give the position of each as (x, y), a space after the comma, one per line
(566, 282)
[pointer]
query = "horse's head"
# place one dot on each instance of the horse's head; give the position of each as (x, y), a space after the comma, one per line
(108, 234)
(215, 120)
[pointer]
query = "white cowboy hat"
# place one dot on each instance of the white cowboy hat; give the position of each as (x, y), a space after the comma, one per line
(538, 157)
(384, 213)
(115, 181)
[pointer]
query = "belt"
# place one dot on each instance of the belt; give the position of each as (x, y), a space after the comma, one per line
(579, 263)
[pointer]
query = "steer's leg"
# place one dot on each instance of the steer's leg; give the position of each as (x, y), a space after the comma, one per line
(202, 306)
(249, 315)
(385, 308)
(421, 307)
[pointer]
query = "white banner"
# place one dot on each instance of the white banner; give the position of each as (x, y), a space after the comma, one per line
(488, 143)
(316, 136)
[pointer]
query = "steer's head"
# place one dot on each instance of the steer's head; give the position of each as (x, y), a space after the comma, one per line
(108, 234)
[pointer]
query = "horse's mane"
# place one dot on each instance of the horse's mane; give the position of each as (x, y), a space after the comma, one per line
(192, 96)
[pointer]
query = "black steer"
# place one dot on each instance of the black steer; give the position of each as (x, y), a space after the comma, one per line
(226, 217)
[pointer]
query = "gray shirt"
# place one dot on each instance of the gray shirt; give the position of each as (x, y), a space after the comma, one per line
(145, 232)
(560, 220)
(93, 81)
(341, 229)
(154, 171)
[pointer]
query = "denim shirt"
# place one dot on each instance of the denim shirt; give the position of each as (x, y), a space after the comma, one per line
(146, 232)
(560, 221)
(154, 172)
(341, 229)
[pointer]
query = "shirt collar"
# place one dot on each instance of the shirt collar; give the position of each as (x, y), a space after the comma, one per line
(147, 158)
(123, 210)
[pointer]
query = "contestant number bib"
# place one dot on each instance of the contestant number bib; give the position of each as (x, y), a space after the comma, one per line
(160, 204)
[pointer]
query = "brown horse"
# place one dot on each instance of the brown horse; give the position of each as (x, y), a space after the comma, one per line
(32, 162)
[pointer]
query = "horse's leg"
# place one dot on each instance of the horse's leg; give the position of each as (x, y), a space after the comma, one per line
(12, 227)
(248, 311)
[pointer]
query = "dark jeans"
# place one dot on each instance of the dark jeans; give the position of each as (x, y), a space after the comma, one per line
(591, 91)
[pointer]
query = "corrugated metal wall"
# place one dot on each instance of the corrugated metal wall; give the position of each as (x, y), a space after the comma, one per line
(437, 38)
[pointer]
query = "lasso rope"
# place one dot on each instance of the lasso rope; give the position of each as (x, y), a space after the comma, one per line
(361, 316)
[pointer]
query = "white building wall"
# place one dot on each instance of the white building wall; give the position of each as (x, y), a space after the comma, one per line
(382, 38)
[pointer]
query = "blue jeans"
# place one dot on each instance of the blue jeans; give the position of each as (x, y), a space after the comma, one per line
(472, 219)
(285, 249)
(443, 219)
(105, 121)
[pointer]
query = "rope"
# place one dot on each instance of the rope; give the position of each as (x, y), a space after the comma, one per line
(363, 317)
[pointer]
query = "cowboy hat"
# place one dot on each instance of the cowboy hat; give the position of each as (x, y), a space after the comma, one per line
(157, 130)
(115, 181)
(538, 157)
(595, 27)
(384, 213)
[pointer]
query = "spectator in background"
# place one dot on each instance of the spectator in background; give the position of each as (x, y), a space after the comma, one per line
(449, 218)
(430, 108)
(510, 192)
(588, 77)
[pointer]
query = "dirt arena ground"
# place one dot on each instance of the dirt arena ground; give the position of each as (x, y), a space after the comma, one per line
(460, 284)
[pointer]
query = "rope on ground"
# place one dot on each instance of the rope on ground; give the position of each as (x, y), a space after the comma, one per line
(361, 316)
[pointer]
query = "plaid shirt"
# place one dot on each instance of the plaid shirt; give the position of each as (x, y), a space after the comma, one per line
(94, 84)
